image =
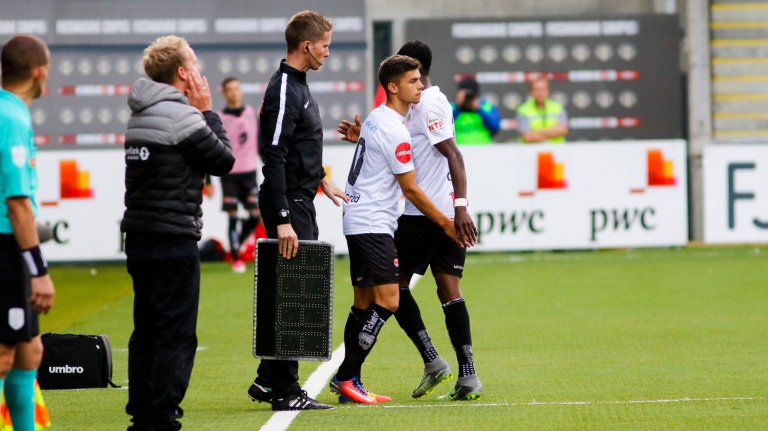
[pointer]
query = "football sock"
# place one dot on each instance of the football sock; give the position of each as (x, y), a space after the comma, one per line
(248, 226)
(361, 339)
(349, 328)
(20, 398)
(457, 322)
(234, 238)
(409, 318)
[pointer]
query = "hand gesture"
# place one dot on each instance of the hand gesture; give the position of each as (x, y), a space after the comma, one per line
(198, 92)
(333, 192)
(350, 132)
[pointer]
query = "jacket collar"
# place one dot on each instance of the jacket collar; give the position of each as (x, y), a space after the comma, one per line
(296, 73)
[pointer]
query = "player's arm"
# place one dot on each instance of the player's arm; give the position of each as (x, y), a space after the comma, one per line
(465, 227)
(25, 230)
(416, 196)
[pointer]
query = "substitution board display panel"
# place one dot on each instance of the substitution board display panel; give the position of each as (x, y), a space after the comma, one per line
(293, 302)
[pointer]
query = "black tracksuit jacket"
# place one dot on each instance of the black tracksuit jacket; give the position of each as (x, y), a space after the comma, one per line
(290, 141)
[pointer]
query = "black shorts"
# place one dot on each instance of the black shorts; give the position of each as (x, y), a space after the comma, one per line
(239, 188)
(18, 322)
(421, 243)
(372, 259)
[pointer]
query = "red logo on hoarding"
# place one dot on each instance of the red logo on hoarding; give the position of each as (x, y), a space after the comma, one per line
(661, 172)
(551, 174)
(75, 183)
(403, 152)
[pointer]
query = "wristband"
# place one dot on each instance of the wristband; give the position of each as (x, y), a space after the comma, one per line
(460, 202)
(35, 262)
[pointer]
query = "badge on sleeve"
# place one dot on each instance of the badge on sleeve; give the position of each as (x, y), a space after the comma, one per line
(434, 122)
(403, 152)
(19, 155)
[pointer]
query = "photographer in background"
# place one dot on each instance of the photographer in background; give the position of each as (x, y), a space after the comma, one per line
(475, 120)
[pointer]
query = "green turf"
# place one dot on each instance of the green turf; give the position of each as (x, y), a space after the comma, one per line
(603, 328)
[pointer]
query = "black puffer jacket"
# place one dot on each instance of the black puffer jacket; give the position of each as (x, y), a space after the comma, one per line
(169, 147)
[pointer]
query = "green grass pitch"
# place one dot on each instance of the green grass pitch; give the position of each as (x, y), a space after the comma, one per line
(618, 340)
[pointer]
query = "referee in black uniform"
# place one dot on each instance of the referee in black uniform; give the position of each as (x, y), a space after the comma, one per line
(291, 146)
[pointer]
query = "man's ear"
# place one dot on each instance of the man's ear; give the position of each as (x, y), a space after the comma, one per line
(183, 74)
(392, 87)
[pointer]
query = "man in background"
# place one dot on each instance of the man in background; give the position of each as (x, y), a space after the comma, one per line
(539, 118)
(27, 288)
(173, 140)
(240, 184)
(476, 121)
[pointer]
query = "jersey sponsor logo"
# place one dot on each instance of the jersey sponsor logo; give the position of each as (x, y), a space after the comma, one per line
(19, 155)
(434, 122)
(403, 152)
(16, 318)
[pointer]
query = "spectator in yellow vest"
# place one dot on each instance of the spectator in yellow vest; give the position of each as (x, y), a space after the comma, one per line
(475, 120)
(539, 118)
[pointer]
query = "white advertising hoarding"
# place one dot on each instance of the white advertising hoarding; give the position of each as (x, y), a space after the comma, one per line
(736, 193)
(572, 196)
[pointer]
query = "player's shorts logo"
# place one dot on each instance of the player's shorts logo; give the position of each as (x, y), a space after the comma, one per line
(403, 152)
(144, 153)
(16, 318)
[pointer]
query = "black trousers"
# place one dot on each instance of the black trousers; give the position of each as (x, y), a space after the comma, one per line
(283, 376)
(161, 351)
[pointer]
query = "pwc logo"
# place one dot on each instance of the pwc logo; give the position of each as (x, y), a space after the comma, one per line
(551, 175)
(661, 172)
(403, 152)
(75, 183)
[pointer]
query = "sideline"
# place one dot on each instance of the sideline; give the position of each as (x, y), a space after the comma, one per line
(317, 381)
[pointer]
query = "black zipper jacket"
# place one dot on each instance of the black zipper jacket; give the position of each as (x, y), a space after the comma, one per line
(290, 141)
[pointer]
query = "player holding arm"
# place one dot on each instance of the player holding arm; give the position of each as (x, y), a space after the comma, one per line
(420, 243)
(381, 168)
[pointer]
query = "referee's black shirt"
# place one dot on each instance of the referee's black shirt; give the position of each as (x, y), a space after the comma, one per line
(290, 140)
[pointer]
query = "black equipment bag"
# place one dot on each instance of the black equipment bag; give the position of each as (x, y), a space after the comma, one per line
(73, 361)
(293, 302)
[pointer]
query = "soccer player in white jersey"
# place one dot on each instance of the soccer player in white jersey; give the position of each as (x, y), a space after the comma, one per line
(381, 168)
(440, 173)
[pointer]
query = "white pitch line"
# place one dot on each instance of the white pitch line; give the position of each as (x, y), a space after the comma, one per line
(280, 421)
(317, 381)
(571, 403)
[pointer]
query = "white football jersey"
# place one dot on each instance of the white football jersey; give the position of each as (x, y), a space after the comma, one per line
(383, 151)
(430, 122)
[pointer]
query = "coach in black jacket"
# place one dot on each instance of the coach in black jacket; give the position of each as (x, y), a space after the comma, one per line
(291, 146)
(173, 140)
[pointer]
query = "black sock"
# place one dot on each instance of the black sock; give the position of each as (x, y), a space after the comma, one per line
(361, 339)
(457, 322)
(248, 226)
(234, 238)
(350, 332)
(409, 318)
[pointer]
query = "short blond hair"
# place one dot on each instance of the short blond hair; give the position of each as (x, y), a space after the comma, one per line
(306, 25)
(163, 57)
